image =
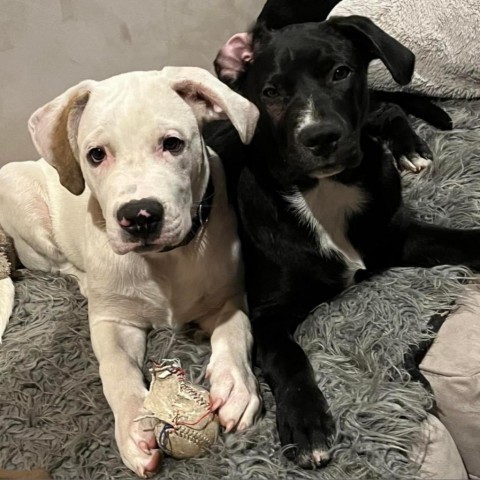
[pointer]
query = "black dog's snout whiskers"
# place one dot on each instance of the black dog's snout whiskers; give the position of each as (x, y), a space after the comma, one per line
(141, 218)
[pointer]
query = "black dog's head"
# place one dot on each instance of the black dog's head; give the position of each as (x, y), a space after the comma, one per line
(310, 83)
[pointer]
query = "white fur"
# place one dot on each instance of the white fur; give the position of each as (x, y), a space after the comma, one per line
(306, 117)
(129, 292)
(325, 209)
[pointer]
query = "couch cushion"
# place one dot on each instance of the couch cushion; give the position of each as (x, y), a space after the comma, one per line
(452, 366)
(437, 454)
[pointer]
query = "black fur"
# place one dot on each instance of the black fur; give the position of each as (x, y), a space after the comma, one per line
(388, 119)
(286, 273)
(280, 13)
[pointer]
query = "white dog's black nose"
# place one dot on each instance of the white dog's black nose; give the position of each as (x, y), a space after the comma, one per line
(141, 218)
(321, 139)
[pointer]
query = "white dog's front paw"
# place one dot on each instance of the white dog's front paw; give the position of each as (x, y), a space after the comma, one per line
(136, 441)
(234, 392)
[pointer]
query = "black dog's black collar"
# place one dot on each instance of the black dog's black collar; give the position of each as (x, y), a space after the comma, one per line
(201, 217)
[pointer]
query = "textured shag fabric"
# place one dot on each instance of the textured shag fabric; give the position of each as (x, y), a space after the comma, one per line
(7, 256)
(54, 415)
(443, 34)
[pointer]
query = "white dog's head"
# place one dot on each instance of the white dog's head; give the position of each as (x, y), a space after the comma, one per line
(135, 140)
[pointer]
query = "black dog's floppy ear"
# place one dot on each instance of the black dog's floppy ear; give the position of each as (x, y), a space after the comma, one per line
(399, 60)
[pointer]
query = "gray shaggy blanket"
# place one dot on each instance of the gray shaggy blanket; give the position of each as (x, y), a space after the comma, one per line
(443, 34)
(54, 415)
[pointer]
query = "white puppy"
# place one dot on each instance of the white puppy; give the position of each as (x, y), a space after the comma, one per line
(150, 237)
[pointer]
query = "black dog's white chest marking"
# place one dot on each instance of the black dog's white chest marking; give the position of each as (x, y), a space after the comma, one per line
(326, 209)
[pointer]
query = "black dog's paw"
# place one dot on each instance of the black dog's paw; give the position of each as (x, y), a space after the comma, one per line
(413, 156)
(413, 163)
(306, 428)
(389, 123)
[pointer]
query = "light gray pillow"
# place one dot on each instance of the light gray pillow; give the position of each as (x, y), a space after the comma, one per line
(443, 34)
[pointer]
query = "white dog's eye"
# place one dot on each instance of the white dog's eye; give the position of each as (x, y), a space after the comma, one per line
(96, 155)
(173, 145)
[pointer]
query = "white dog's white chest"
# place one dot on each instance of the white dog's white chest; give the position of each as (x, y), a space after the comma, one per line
(171, 292)
(326, 209)
(191, 286)
(150, 290)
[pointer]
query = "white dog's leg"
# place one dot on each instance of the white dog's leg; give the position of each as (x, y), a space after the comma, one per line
(120, 350)
(25, 215)
(234, 389)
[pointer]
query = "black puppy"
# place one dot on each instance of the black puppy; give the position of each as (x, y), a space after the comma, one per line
(319, 199)
(388, 110)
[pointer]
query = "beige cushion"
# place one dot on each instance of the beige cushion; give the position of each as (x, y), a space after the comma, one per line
(437, 454)
(452, 367)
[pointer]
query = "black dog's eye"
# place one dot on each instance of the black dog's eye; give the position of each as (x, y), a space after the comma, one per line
(96, 155)
(173, 145)
(270, 92)
(341, 73)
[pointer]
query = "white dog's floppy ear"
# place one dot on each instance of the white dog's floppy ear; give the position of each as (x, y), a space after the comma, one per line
(53, 129)
(211, 99)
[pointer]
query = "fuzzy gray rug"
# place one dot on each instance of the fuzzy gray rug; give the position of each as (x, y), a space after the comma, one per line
(54, 415)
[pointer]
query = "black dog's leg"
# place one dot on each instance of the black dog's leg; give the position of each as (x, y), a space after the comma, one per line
(416, 105)
(304, 423)
(411, 243)
(426, 245)
(284, 277)
(390, 123)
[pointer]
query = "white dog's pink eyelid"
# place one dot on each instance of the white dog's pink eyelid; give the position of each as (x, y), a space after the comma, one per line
(169, 134)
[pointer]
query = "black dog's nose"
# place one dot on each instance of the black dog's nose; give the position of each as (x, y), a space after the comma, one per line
(141, 218)
(321, 139)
